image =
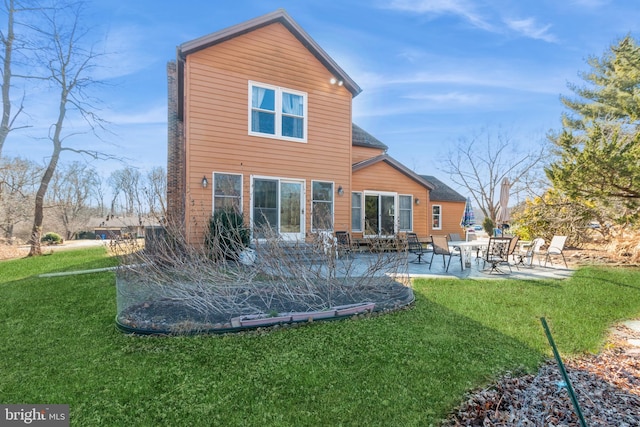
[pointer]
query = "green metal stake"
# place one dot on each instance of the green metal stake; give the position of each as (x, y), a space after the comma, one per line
(572, 394)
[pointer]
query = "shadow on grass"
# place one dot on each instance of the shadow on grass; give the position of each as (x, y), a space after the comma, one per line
(63, 261)
(594, 274)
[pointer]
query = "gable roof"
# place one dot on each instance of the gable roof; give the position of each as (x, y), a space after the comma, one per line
(282, 17)
(362, 138)
(442, 192)
(395, 164)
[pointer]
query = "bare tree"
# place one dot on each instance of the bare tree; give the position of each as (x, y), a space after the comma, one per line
(68, 64)
(18, 179)
(481, 163)
(127, 183)
(155, 191)
(72, 187)
(8, 40)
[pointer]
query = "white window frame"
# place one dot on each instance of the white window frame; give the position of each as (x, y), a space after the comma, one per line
(400, 196)
(379, 194)
(314, 229)
(359, 215)
(439, 215)
(278, 112)
(213, 189)
(279, 180)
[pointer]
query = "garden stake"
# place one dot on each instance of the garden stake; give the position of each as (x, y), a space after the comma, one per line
(572, 394)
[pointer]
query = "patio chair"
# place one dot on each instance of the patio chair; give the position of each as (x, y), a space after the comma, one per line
(441, 247)
(343, 242)
(455, 237)
(513, 245)
(415, 247)
(555, 248)
(527, 253)
(497, 253)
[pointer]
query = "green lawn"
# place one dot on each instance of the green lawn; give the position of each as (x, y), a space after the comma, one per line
(60, 345)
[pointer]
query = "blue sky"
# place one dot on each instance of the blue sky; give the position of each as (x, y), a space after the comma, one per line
(432, 71)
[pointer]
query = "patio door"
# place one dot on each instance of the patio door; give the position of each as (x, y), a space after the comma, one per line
(291, 212)
(277, 205)
(379, 214)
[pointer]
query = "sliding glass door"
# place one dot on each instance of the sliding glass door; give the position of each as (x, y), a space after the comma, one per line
(379, 214)
(277, 206)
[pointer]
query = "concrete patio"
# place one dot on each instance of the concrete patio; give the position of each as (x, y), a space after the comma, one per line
(406, 264)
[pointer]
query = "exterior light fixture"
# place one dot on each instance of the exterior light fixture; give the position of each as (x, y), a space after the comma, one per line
(340, 83)
(333, 80)
(417, 201)
(205, 182)
(340, 190)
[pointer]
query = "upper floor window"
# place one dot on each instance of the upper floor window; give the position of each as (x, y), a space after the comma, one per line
(277, 112)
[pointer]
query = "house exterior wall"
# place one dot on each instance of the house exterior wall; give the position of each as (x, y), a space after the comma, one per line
(359, 154)
(216, 122)
(382, 177)
(451, 217)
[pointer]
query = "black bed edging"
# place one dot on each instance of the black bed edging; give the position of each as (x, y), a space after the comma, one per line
(220, 331)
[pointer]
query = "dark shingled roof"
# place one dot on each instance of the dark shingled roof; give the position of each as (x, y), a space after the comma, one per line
(362, 138)
(442, 192)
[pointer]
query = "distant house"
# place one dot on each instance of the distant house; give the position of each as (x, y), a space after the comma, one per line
(260, 120)
(114, 227)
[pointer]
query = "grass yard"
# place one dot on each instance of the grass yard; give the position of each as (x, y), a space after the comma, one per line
(409, 368)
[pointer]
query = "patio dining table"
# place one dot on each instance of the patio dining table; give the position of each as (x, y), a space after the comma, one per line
(466, 248)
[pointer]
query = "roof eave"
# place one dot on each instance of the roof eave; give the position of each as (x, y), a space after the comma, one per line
(283, 17)
(396, 165)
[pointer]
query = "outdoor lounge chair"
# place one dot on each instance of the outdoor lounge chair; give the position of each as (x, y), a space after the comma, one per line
(441, 247)
(555, 248)
(415, 247)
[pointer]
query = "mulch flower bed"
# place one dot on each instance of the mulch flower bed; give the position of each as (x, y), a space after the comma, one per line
(607, 386)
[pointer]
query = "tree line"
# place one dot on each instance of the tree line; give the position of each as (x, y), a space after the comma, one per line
(586, 172)
(76, 194)
(585, 175)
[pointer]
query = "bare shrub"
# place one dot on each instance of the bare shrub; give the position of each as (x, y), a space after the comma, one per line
(177, 284)
(625, 248)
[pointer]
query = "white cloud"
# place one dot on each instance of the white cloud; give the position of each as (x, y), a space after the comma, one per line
(449, 98)
(153, 115)
(529, 28)
(462, 8)
(125, 53)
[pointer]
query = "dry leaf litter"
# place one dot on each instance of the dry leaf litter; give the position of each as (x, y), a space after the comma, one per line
(607, 387)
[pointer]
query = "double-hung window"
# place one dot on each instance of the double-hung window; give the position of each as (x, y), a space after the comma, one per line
(437, 217)
(322, 206)
(405, 211)
(227, 192)
(276, 112)
(356, 211)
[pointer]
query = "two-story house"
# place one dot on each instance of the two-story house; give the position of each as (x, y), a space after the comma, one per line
(260, 120)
